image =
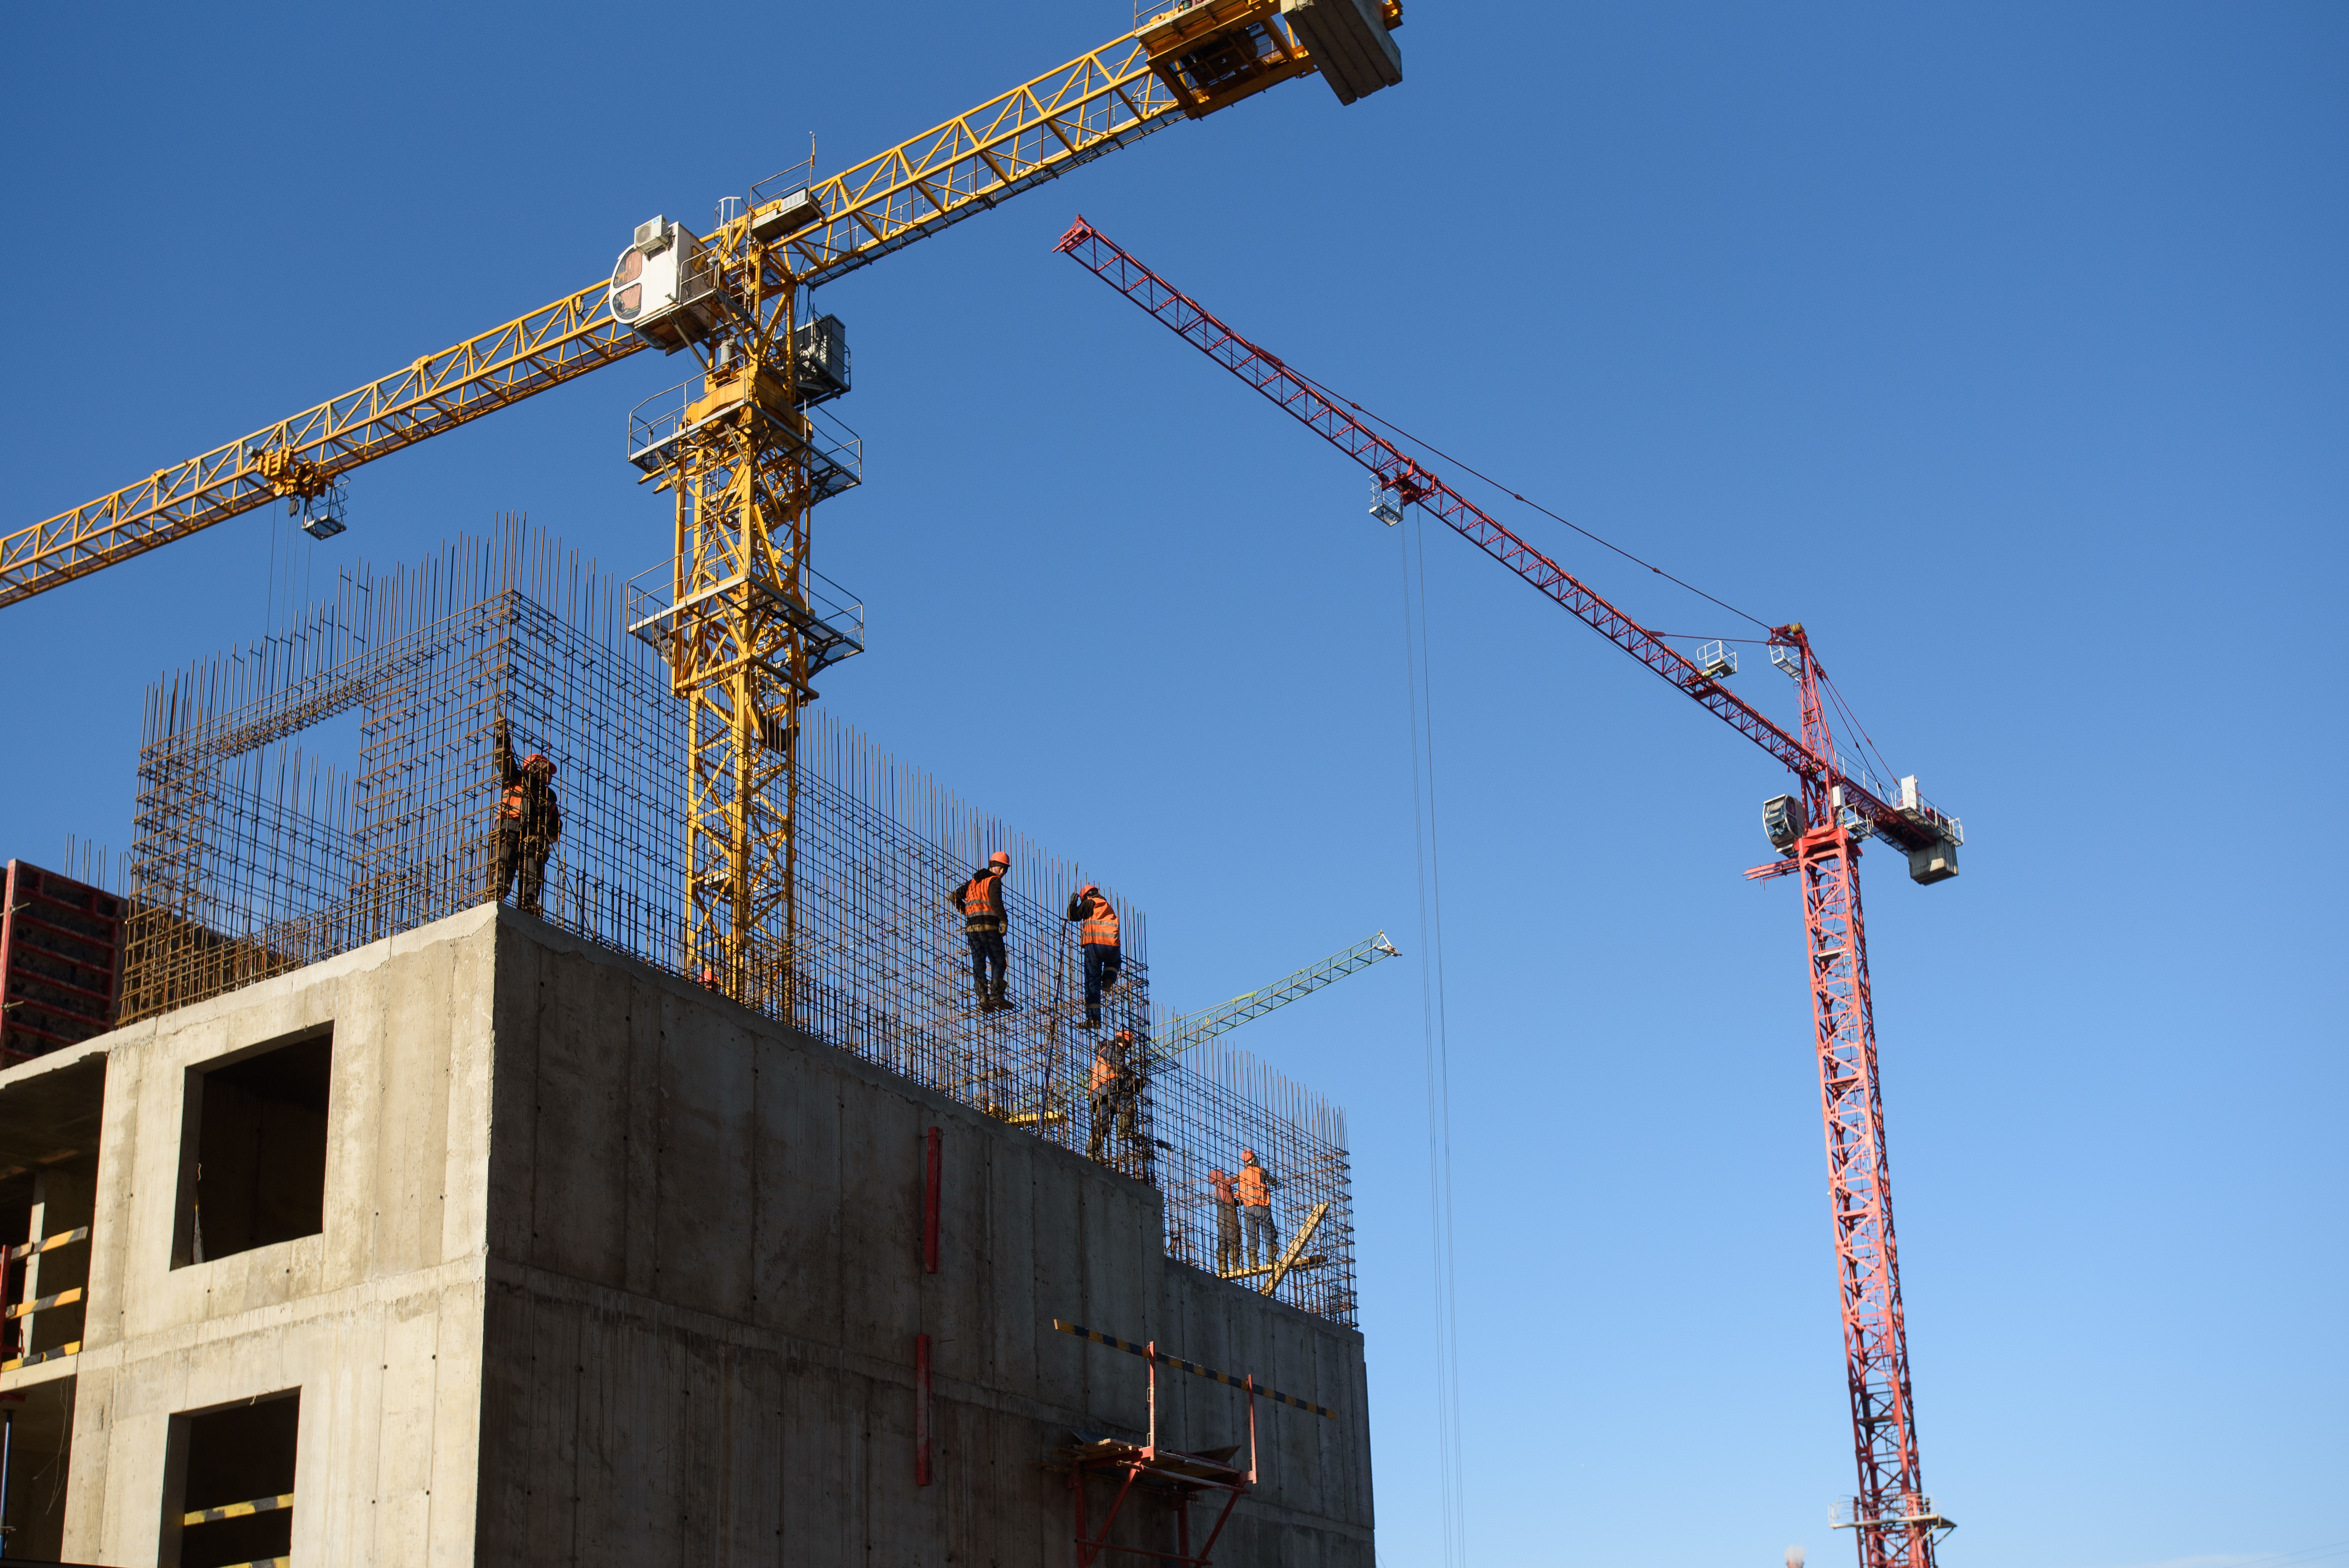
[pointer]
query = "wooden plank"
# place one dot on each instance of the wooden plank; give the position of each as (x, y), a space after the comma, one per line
(1296, 1247)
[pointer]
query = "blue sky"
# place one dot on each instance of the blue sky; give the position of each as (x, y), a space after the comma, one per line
(2002, 346)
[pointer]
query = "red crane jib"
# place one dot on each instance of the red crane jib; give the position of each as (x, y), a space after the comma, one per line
(1894, 1523)
(1326, 415)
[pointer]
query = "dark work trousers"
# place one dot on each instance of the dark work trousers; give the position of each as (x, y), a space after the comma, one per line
(1101, 969)
(1110, 1105)
(985, 948)
(1260, 1228)
(527, 856)
(1227, 1238)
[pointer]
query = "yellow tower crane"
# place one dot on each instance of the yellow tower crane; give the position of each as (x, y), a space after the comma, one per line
(742, 617)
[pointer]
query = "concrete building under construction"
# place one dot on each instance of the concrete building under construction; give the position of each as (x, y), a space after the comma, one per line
(392, 1223)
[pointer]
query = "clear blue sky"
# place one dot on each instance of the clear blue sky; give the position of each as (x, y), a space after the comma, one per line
(2002, 346)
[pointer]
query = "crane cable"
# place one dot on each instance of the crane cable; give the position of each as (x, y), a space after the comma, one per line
(1428, 874)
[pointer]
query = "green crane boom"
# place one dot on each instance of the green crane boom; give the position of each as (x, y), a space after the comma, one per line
(1194, 1028)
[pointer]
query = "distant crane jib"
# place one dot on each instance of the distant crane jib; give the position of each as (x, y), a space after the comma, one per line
(1196, 1028)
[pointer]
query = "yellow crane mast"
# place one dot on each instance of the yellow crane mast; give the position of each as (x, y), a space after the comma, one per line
(742, 626)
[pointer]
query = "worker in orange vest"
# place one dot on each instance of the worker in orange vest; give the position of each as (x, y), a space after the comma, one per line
(1227, 1222)
(1256, 1185)
(1098, 938)
(980, 900)
(529, 820)
(1115, 1093)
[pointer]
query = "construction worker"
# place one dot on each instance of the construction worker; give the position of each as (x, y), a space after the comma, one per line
(1256, 1184)
(1115, 1093)
(1099, 939)
(529, 820)
(981, 901)
(1228, 1224)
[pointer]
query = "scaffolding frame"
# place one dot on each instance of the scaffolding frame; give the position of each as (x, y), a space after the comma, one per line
(333, 784)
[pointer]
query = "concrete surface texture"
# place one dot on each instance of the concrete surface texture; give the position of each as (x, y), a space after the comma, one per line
(609, 1270)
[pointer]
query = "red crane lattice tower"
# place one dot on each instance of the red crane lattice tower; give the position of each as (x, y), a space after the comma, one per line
(1894, 1522)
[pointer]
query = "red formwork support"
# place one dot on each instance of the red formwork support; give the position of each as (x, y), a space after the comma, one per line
(1178, 1477)
(930, 1202)
(60, 963)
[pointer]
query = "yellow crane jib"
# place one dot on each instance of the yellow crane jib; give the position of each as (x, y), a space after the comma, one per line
(1186, 62)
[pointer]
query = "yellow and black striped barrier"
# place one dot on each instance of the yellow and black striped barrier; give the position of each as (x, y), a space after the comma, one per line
(239, 1511)
(49, 1243)
(62, 1298)
(71, 1348)
(1193, 1367)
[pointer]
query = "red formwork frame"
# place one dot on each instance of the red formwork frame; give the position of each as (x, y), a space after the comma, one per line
(1146, 1464)
(1896, 1523)
(1185, 1475)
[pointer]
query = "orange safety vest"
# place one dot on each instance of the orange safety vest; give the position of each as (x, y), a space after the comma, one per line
(1104, 1074)
(1100, 929)
(983, 897)
(1253, 1192)
(515, 804)
(1223, 1186)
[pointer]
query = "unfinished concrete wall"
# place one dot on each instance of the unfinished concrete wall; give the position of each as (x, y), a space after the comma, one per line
(705, 1284)
(376, 1319)
(611, 1271)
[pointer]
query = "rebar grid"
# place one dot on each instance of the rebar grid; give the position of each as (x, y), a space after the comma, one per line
(254, 856)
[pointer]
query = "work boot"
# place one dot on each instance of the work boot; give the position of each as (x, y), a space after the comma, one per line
(1002, 996)
(1092, 1020)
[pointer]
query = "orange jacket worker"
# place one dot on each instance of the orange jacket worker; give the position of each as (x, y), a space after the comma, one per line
(1254, 1184)
(980, 900)
(1097, 937)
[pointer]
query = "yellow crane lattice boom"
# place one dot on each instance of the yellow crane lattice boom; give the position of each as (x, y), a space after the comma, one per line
(1094, 104)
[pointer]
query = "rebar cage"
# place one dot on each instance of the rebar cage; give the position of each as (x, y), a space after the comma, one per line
(255, 855)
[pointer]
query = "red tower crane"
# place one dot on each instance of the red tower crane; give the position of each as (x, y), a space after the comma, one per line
(1818, 833)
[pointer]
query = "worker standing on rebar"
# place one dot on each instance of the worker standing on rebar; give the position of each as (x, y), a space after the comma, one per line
(1115, 1093)
(1098, 937)
(980, 900)
(1227, 1222)
(529, 819)
(1256, 1185)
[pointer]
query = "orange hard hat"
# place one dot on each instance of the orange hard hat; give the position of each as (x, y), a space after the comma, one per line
(1248, 1154)
(1214, 1175)
(537, 760)
(1088, 887)
(999, 859)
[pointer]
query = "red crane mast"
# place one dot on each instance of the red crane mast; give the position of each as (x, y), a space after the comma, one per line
(1818, 834)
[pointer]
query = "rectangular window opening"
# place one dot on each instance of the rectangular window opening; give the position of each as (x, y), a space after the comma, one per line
(252, 1149)
(228, 1483)
(40, 1443)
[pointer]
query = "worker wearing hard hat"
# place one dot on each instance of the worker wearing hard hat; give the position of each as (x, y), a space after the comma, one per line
(1098, 938)
(528, 822)
(980, 900)
(1256, 1184)
(1115, 1095)
(1227, 1222)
